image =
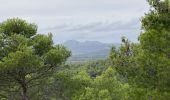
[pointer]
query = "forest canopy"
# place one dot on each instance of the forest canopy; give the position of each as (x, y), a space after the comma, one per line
(32, 67)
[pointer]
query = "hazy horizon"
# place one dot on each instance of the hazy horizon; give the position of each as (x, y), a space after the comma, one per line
(105, 21)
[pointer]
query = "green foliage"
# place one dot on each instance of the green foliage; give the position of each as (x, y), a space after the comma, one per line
(56, 56)
(145, 66)
(105, 87)
(11, 44)
(18, 26)
(96, 68)
(158, 17)
(32, 67)
(155, 43)
(42, 44)
(136, 93)
(63, 85)
(124, 59)
(26, 57)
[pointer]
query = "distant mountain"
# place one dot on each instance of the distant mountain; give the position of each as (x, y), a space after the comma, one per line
(88, 50)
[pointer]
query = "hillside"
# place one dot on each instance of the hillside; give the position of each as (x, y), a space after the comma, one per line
(88, 50)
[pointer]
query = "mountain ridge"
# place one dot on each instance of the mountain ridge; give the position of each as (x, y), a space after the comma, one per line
(88, 49)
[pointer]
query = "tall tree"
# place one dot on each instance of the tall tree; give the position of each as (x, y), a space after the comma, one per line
(149, 62)
(123, 59)
(26, 57)
(155, 43)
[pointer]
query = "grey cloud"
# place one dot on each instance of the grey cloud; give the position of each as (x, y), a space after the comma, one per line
(116, 26)
(100, 31)
(69, 7)
(79, 19)
(105, 26)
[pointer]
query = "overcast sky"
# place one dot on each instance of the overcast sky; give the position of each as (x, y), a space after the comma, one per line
(83, 20)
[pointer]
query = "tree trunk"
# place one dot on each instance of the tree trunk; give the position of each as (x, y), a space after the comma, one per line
(23, 89)
(24, 92)
(150, 98)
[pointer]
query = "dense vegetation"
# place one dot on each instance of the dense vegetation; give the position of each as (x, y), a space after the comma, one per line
(33, 68)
